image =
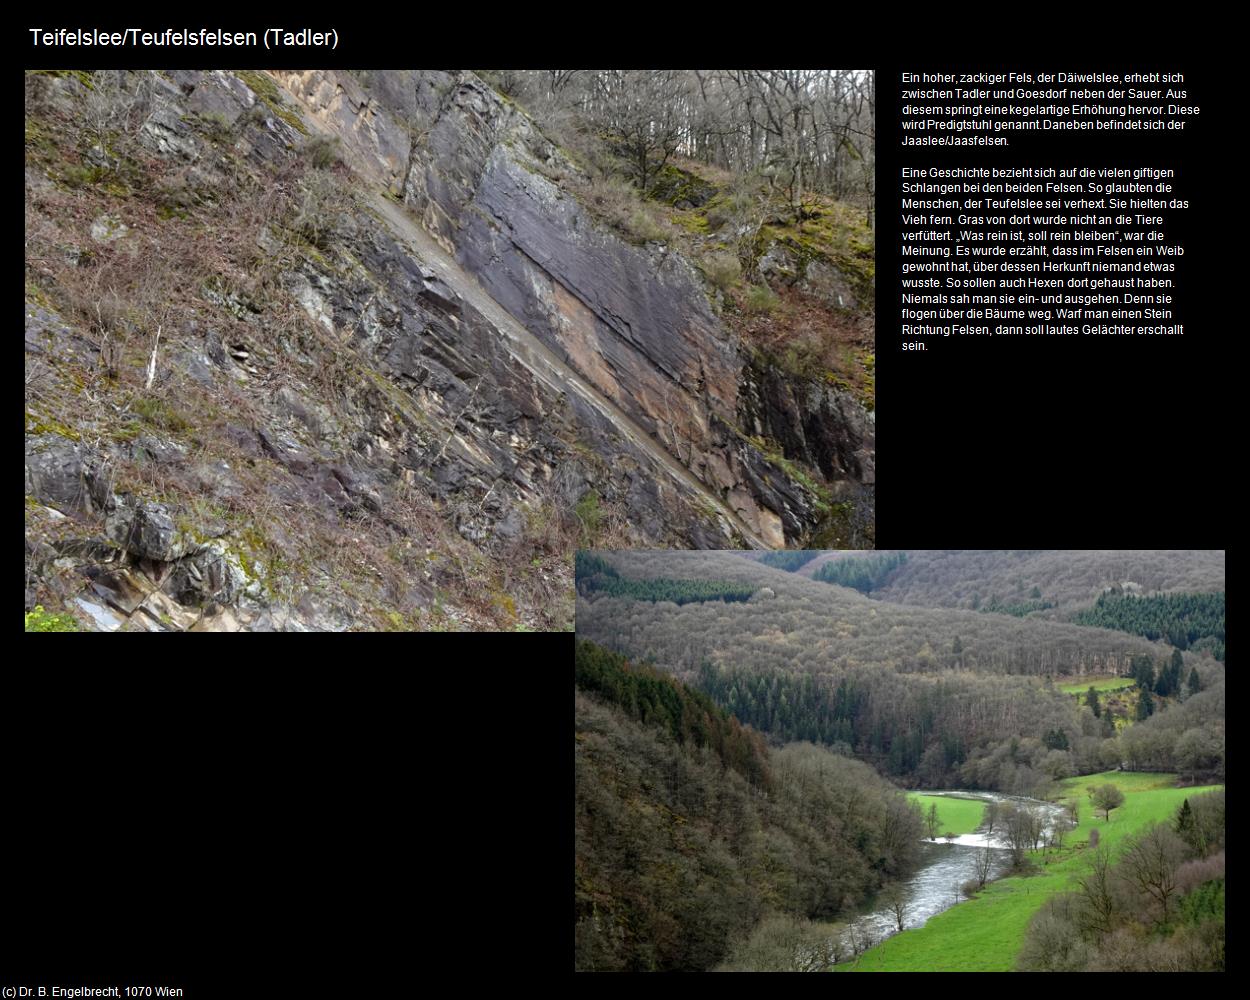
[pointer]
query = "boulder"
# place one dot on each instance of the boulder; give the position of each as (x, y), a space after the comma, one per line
(145, 530)
(55, 472)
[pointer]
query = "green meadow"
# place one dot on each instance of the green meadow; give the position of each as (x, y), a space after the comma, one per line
(1099, 684)
(985, 934)
(956, 815)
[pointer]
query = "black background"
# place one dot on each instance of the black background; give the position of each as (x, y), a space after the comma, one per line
(244, 825)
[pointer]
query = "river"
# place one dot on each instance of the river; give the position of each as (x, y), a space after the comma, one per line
(944, 868)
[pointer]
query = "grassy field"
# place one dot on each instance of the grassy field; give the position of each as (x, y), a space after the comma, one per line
(1099, 684)
(956, 815)
(984, 934)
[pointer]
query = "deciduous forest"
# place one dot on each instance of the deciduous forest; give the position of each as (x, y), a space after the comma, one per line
(1105, 664)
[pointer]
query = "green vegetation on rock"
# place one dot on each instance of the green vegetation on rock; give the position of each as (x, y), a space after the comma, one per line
(39, 620)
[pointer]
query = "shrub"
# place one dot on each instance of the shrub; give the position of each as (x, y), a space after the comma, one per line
(969, 888)
(1053, 942)
(160, 413)
(721, 270)
(321, 214)
(761, 299)
(116, 101)
(613, 197)
(80, 175)
(735, 207)
(322, 152)
(617, 202)
(40, 620)
(804, 355)
(216, 126)
(174, 197)
(645, 228)
(590, 515)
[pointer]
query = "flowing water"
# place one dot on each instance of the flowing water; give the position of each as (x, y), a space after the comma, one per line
(945, 867)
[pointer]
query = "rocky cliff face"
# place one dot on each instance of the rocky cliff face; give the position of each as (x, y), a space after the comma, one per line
(347, 426)
(635, 320)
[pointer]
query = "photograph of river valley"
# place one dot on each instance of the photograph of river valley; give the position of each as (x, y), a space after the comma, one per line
(922, 761)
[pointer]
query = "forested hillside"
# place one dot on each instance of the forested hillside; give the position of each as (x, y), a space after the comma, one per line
(933, 697)
(1067, 580)
(1186, 621)
(789, 561)
(689, 830)
(823, 624)
(1074, 818)
(863, 574)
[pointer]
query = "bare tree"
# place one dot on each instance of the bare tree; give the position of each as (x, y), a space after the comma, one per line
(1150, 863)
(1018, 828)
(859, 938)
(897, 903)
(788, 944)
(993, 811)
(638, 111)
(117, 102)
(1037, 825)
(803, 130)
(1098, 914)
(1059, 829)
(983, 864)
(932, 823)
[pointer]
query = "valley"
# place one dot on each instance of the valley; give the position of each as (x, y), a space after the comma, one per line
(1023, 788)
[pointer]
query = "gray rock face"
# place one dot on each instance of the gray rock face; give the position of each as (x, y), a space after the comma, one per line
(821, 279)
(409, 405)
(145, 529)
(108, 229)
(209, 575)
(823, 426)
(826, 282)
(54, 472)
(46, 332)
(634, 320)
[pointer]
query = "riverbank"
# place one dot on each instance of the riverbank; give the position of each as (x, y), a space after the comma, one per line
(955, 815)
(984, 934)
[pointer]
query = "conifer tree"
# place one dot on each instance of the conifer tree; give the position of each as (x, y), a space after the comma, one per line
(1185, 820)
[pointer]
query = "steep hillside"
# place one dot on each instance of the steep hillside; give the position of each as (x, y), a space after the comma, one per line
(689, 829)
(260, 395)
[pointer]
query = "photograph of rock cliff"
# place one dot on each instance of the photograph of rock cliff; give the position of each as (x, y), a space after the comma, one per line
(380, 350)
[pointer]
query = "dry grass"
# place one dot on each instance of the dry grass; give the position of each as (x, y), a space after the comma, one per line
(803, 336)
(207, 250)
